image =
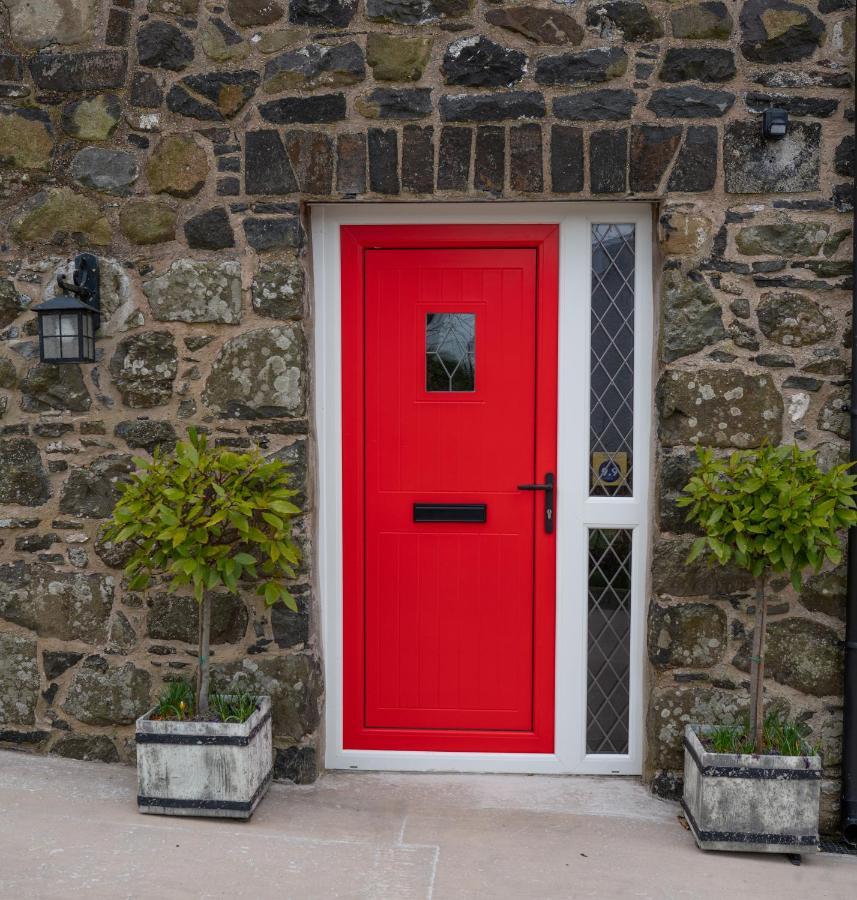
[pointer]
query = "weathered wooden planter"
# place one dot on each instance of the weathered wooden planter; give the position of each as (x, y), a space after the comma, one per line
(764, 804)
(204, 768)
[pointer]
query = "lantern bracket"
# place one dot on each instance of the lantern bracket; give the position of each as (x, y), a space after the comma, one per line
(85, 283)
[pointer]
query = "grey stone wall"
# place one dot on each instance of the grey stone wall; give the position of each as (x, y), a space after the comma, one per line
(181, 139)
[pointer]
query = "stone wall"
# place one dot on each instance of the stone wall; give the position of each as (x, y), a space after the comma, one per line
(180, 140)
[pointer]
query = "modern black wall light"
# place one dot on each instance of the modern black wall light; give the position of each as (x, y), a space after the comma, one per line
(775, 123)
(68, 322)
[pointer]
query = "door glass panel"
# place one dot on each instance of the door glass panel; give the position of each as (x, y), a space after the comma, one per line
(450, 352)
(611, 396)
(609, 640)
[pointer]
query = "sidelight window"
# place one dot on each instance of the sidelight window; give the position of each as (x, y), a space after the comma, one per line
(609, 640)
(611, 364)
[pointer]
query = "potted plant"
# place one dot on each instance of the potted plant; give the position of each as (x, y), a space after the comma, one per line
(772, 510)
(206, 518)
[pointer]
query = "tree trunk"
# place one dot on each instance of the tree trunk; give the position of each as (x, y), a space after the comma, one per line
(204, 638)
(757, 669)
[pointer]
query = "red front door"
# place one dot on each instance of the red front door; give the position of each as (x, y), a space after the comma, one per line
(449, 404)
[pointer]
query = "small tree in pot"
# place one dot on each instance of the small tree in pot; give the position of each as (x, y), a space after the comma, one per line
(207, 518)
(770, 510)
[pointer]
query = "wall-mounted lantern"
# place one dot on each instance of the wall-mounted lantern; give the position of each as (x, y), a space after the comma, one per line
(68, 322)
(775, 123)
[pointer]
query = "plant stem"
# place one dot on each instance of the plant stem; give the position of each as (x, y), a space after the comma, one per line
(757, 669)
(204, 640)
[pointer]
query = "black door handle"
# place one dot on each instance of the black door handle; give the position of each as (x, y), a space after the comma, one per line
(549, 487)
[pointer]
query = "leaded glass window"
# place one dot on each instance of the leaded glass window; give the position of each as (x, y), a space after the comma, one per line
(450, 352)
(609, 640)
(611, 397)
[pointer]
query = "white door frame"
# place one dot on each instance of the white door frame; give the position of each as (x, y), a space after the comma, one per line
(576, 511)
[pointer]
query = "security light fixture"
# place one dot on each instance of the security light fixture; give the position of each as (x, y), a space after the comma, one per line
(68, 322)
(775, 123)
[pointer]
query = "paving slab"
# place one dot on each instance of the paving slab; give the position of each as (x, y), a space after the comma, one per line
(71, 829)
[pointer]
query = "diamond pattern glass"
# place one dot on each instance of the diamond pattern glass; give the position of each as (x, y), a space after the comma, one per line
(450, 352)
(611, 398)
(609, 640)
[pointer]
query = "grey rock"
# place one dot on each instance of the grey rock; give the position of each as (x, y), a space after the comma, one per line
(114, 555)
(92, 492)
(214, 96)
(100, 695)
(697, 64)
(23, 479)
(843, 161)
(794, 320)
(825, 592)
(209, 230)
(55, 662)
(673, 707)
(633, 20)
(395, 103)
(800, 653)
(834, 415)
(112, 171)
(710, 20)
(47, 387)
(782, 238)
(688, 635)
(144, 367)
(777, 31)
(92, 119)
(754, 165)
(294, 455)
(121, 638)
(584, 67)
(690, 103)
(492, 107)
(322, 109)
(542, 26)
(314, 66)
(595, 106)
(11, 305)
(675, 469)
(673, 576)
(176, 618)
(692, 317)
(293, 682)
(254, 12)
(278, 290)
(260, 373)
(68, 606)
(267, 169)
(281, 233)
(164, 46)
(480, 62)
(820, 107)
(718, 407)
(296, 764)
(291, 629)
(324, 13)
(68, 73)
(19, 680)
(402, 12)
(147, 434)
(88, 747)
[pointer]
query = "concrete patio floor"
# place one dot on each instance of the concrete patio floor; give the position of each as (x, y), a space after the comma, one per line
(70, 829)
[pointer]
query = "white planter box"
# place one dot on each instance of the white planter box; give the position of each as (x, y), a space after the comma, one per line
(765, 804)
(204, 768)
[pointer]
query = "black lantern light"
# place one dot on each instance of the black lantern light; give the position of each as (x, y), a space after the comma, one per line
(68, 322)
